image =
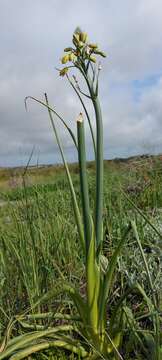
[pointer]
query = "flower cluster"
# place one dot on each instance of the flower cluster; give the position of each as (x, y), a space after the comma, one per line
(81, 53)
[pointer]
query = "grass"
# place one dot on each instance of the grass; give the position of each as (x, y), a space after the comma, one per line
(39, 243)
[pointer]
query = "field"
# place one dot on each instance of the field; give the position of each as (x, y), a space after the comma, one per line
(39, 247)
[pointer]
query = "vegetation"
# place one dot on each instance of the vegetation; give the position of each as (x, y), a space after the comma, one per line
(88, 283)
(59, 256)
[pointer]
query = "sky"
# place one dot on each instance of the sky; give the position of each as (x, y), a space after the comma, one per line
(33, 35)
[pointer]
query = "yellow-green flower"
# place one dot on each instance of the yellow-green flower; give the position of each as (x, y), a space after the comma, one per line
(92, 58)
(76, 39)
(72, 57)
(99, 52)
(79, 39)
(93, 46)
(83, 37)
(65, 59)
(68, 49)
(64, 71)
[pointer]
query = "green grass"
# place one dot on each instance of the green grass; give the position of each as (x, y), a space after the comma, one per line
(39, 244)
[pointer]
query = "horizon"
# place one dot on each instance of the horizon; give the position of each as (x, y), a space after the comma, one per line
(39, 165)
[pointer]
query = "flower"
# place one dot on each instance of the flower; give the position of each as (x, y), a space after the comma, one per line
(72, 56)
(68, 49)
(92, 58)
(93, 46)
(99, 52)
(83, 36)
(65, 59)
(64, 71)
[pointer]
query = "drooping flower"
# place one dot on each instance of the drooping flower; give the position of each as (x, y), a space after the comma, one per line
(92, 58)
(65, 59)
(99, 52)
(64, 71)
(93, 46)
(68, 49)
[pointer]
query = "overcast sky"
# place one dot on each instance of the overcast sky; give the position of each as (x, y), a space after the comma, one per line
(33, 35)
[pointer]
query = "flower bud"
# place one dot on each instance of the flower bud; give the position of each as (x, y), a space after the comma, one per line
(72, 57)
(68, 49)
(93, 46)
(98, 52)
(76, 39)
(65, 59)
(83, 37)
(64, 71)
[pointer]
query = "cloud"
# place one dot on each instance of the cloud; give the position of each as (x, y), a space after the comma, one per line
(139, 125)
(32, 37)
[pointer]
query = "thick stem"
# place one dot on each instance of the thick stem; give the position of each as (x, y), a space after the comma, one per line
(86, 112)
(84, 182)
(99, 171)
(99, 162)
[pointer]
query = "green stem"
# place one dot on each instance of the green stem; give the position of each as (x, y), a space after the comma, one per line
(84, 182)
(86, 112)
(99, 171)
(99, 162)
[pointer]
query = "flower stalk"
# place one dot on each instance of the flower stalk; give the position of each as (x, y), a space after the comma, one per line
(84, 181)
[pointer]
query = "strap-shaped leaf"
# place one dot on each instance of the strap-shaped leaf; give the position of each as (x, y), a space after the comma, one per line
(73, 195)
(108, 278)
